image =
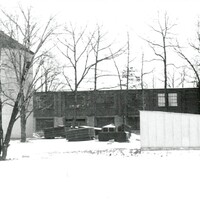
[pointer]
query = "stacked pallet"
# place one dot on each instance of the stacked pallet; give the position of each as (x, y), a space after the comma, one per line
(51, 133)
(80, 134)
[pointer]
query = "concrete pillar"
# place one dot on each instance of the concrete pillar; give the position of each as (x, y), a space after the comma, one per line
(58, 121)
(118, 120)
(90, 121)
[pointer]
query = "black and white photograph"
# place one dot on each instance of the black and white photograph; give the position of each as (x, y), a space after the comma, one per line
(99, 99)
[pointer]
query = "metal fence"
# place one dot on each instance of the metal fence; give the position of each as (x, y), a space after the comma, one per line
(165, 130)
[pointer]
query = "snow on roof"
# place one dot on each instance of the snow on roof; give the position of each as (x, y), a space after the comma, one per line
(109, 126)
(96, 128)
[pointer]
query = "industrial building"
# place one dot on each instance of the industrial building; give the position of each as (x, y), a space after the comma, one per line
(99, 108)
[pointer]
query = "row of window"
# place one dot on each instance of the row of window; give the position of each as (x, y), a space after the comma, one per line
(172, 99)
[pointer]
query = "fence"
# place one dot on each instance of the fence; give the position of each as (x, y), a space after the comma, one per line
(164, 130)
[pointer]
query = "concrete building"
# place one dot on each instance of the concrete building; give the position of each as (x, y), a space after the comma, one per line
(110, 106)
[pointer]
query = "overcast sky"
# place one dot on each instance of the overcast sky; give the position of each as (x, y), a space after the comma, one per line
(115, 13)
(117, 16)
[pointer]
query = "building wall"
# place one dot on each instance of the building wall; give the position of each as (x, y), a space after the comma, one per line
(111, 105)
(10, 89)
(16, 132)
(187, 100)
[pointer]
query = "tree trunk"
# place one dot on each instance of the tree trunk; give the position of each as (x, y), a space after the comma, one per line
(23, 118)
(122, 106)
(127, 80)
(75, 108)
(165, 86)
(198, 97)
(95, 107)
(1, 128)
(9, 131)
(23, 124)
(95, 93)
(142, 83)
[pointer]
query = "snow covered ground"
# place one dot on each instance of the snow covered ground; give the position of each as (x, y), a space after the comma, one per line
(91, 170)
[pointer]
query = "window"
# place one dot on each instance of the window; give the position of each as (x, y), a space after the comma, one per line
(111, 129)
(172, 98)
(105, 129)
(161, 100)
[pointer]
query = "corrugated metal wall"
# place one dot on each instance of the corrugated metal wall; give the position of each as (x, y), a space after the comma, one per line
(164, 130)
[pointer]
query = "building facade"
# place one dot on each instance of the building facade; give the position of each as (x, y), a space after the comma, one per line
(100, 108)
(12, 57)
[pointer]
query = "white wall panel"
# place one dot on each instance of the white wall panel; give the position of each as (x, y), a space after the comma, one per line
(169, 130)
(194, 131)
(177, 126)
(144, 137)
(185, 131)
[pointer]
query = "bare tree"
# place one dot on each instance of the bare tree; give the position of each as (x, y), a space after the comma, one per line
(25, 35)
(83, 52)
(129, 73)
(185, 76)
(177, 77)
(50, 71)
(192, 60)
(121, 107)
(161, 46)
(102, 49)
(77, 51)
(97, 49)
(143, 73)
(193, 63)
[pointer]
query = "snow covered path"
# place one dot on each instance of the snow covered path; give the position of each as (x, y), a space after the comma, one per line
(45, 169)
